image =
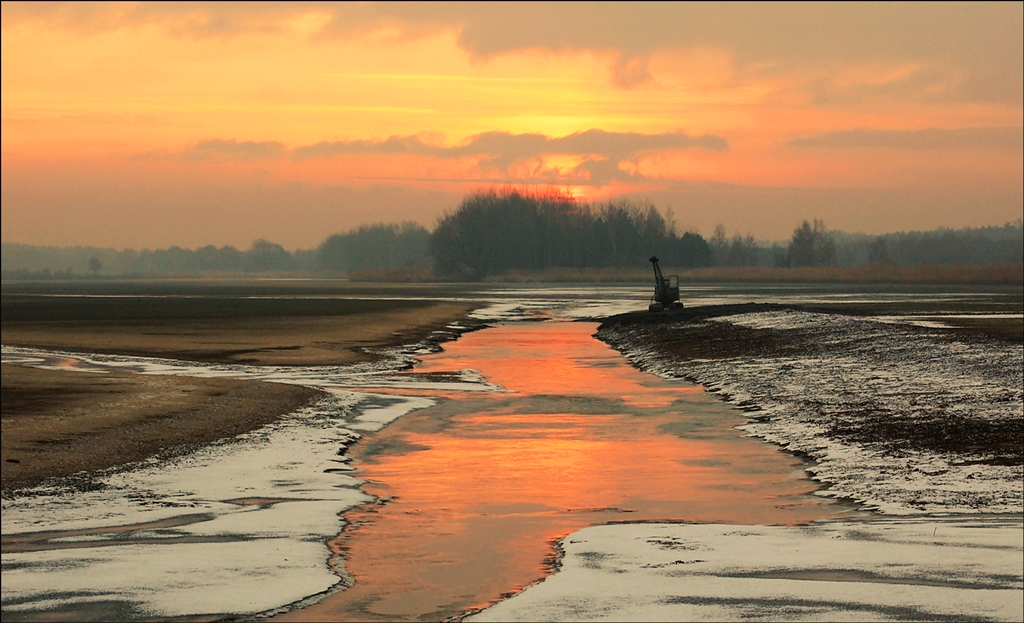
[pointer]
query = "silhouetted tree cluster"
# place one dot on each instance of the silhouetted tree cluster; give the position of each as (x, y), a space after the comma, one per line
(267, 256)
(739, 251)
(983, 245)
(376, 247)
(261, 257)
(878, 251)
(497, 231)
(973, 245)
(811, 246)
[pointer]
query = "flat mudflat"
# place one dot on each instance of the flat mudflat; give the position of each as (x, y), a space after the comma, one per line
(57, 423)
(284, 339)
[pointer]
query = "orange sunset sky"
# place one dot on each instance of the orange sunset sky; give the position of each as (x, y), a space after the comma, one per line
(152, 124)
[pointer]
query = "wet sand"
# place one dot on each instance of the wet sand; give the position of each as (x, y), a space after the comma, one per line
(899, 412)
(58, 423)
(336, 339)
(999, 319)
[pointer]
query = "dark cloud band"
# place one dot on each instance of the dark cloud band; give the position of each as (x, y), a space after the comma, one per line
(931, 138)
(506, 146)
(599, 152)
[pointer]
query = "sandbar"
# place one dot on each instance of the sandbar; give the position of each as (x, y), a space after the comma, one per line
(57, 424)
(335, 339)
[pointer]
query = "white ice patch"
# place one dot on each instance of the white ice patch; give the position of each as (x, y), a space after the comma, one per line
(781, 320)
(392, 408)
(261, 506)
(927, 569)
(160, 582)
(390, 372)
(942, 321)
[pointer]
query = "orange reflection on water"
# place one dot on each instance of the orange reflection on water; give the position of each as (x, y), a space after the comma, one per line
(475, 489)
(577, 461)
(553, 359)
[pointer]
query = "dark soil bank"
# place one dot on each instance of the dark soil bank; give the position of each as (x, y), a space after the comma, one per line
(896, 411)
(685, 335)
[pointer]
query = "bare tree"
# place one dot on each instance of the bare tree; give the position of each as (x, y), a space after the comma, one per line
(812, 246)
(743, 251)
(719, 246)
(878, 253)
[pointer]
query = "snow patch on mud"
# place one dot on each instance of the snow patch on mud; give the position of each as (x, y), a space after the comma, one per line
(893, 569)
(233, 527)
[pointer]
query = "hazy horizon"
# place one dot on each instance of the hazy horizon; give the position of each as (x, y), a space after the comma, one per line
(158, 125)
(730, 233)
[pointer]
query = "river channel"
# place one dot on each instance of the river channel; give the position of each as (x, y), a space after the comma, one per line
(472, 492)
(422, 488)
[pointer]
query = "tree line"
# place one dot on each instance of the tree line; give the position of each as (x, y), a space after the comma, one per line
(491, 233)
(812, 244)
(62, 262)
(494, 232)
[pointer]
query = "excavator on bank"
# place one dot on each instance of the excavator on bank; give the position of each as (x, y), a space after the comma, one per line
(666, 291)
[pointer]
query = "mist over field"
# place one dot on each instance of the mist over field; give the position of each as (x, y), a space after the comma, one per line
(497, 232)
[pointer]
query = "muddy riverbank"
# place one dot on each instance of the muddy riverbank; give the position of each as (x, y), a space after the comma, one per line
(64, 424)
(899, 413)
(473, 463)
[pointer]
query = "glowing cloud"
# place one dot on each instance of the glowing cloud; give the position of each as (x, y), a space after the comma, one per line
(199, 108)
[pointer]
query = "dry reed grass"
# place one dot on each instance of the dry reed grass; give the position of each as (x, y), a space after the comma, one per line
(988, 274)
(393, 275)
